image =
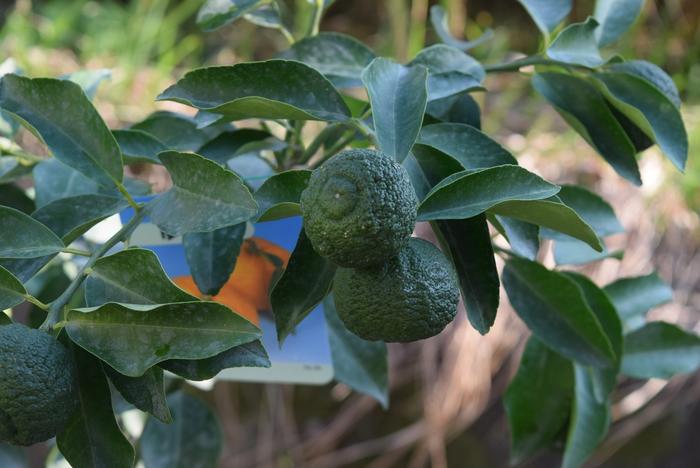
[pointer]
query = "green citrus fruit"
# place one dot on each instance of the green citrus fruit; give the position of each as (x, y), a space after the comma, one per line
(359, 208)
(37, 393)
(411, 297)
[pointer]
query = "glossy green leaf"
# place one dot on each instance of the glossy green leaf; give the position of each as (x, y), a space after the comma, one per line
(574, 252)
(590, 420)
(470, 193)
(438, 18)
(132, 276)
(138, 146)
(279, 196)
(5, 319)
(176, 131)
(398, 95)
(24, 237)
(251, 354)
(193, 440)
(660, 350)
(12, 292)
(338, 57)
(60, 112)
(305, 282)
(234, 143)
(554, 308)
(25, 268)
(461, 108)
(450, 71)
(253, 169)
(468, 145)
(584, 107)
(89, 80)
(12, 169)
(538, 400)
(212, 256)
(54, 180)
(426, 167)
(8, 125)
(268, 16)
(652, 74)
(650, 109)
(133, 338)
(204, 196)
(217, 13)
(15, 197)
(92, 437)
(275, 89)
(146, 393)
(635, 296)
(71, 217)
(524, 238)
(468, 242)
(361, 365)
(577, 45)
(615, 17)
(547, 14)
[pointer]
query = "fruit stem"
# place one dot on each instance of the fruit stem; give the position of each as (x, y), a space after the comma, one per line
(36, 302)
(516, 65)
(56, 307)
(82, 253)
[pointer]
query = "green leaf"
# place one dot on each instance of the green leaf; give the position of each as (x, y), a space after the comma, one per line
(538, 400)
(457, 109)
(53, 180)
(577, 45)
(398, 95)
(650, 109)
(234, 143)
(361, 365)
(71, 217)
(590, 420)
(615, 17)
(450, 71)
(217, 13)
(194, 438)
(8, 125)
(138, 146)
(12, 169)
(472, 148)
(204, 196)
(176, 131)
(278, 197)
(635, 296)
(25, 237)
(547, 14)
(25, 268)
(212, 256)
(268, 16)
(12, 292)
(470, 193)
(524, 238)
(5, 319)
(62, 115)
(132, 276)
(438, 18)
(146, 393)
(253, 169)
(426, 167)
(338, 57)
(15, 197)
(89, 80)
(275, 89)
(574, 252)
(584, 107)
(660, 350)
(251, 354)
(92, 437)
(469, 244)
(303, 285)
(554, 308)
(133, 338)
(652, 74)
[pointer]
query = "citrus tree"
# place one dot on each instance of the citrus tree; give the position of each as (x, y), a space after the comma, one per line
(419, 156)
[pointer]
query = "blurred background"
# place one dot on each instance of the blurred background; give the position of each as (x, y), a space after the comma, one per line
(446, 405)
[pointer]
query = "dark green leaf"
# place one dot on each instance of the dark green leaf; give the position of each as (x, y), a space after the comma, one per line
(146, 393)
(133, 338)
(275, 89)
(204, 196)
(438, 18)
(278, 197)
(217, 13)
(89, 80)
(25, 268)
(176, 131)
(212, 256)
(398, 95)
(92, 437)
(253, 169)
(24, 237)
(634, 297)
(361, 365)
(650, 109)
(470, 193)
(538, 400)
(547, 14)
(305, 282)
(652, 74)
(450, 71)
(472, 148)
(660, 350)
(251, 354)
(584, 107)
(457, 109)
(193, 440)
(469, 244)
(338, 57)
(615, 17)
(577, 45)
(138, 146)
(574, 252)
(524, 238)
(53, 180)
(8, 125)
(268, 16)
(12, 169)
(12, 292)
(4, 319)
(60, 112)
(554, 308)
(233, 143)
(15, 197)
(426, 167)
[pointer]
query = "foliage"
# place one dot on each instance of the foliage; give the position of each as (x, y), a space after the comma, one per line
(125, 321)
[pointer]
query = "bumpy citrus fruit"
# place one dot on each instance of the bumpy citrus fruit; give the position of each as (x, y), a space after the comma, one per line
(411, 297)
(359, 208)
(37, 394)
